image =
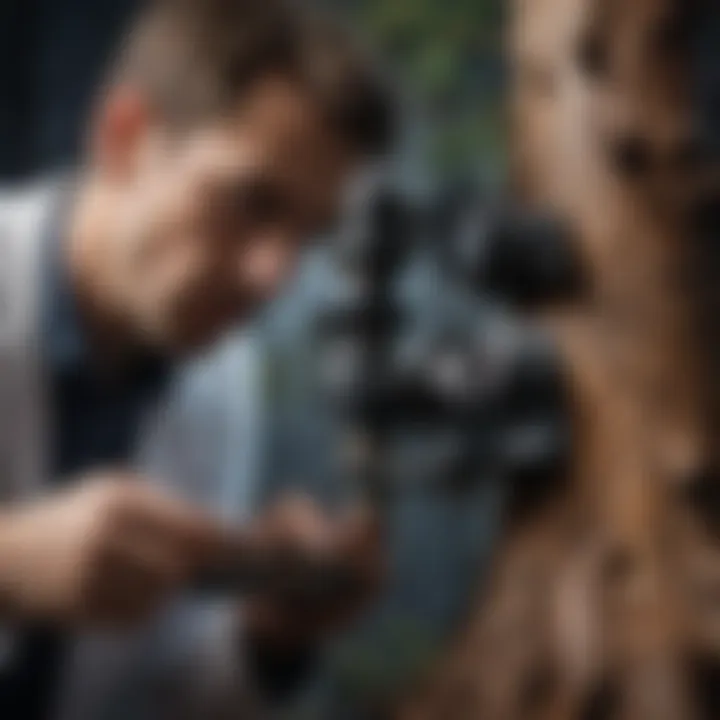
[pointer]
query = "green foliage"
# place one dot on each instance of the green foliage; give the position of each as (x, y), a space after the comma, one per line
(449, 54)
(378, 664)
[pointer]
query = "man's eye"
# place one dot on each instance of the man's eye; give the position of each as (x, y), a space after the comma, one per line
(262, 204)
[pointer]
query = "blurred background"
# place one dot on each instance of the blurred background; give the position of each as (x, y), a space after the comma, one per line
(447, 61)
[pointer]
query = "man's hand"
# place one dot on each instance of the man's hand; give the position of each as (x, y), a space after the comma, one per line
(296, 526)
(107, 553)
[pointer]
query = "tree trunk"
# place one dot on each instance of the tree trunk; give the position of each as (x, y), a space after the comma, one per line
(606, 603)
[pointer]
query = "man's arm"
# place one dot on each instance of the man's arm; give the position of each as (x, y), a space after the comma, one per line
(109, 551)
(262, 652)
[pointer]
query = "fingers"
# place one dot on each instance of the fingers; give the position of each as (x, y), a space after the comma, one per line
(151, 546)
(163, 568)
(348, 543)
(128, 595)
(295, 523)
(177, 526)
(299, 526)
(134, 575)
(159, 543)
(358, 531)
(360, 541)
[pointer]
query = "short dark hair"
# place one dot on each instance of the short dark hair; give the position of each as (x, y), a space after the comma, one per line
(195, 58)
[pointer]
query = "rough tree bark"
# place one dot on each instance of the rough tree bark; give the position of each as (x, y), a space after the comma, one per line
(606, 602)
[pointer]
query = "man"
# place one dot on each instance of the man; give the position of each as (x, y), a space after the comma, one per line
(220, 146)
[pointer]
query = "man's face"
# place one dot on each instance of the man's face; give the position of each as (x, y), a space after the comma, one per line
(210, 222)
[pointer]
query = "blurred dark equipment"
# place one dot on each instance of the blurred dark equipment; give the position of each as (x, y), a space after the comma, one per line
(439, 395)
(481, 386)
(513, 254)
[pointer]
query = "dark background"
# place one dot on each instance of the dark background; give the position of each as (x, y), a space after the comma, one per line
(52, 55)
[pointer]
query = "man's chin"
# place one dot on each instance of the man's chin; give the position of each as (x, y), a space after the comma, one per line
(196, 341)
(193, 340)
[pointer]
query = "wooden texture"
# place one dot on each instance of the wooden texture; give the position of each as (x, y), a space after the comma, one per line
(605, 603)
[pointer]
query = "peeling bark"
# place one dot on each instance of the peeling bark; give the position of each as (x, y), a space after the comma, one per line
(607, 604)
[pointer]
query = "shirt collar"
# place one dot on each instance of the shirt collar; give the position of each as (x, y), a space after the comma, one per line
(65, 342)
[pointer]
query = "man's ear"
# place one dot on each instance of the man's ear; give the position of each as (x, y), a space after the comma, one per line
(121, 125)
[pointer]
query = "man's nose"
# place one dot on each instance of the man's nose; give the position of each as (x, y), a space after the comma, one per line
(267, 265)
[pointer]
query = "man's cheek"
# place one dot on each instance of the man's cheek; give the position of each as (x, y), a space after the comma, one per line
(265, 269)
(194, 326)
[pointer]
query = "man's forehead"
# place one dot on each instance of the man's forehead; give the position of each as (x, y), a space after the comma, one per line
(309, 170)
(278, 103)
(284, 120)
(279, 141)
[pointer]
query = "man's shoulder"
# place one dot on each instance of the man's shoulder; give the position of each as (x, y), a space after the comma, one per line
(21, 206)
(22, 210)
